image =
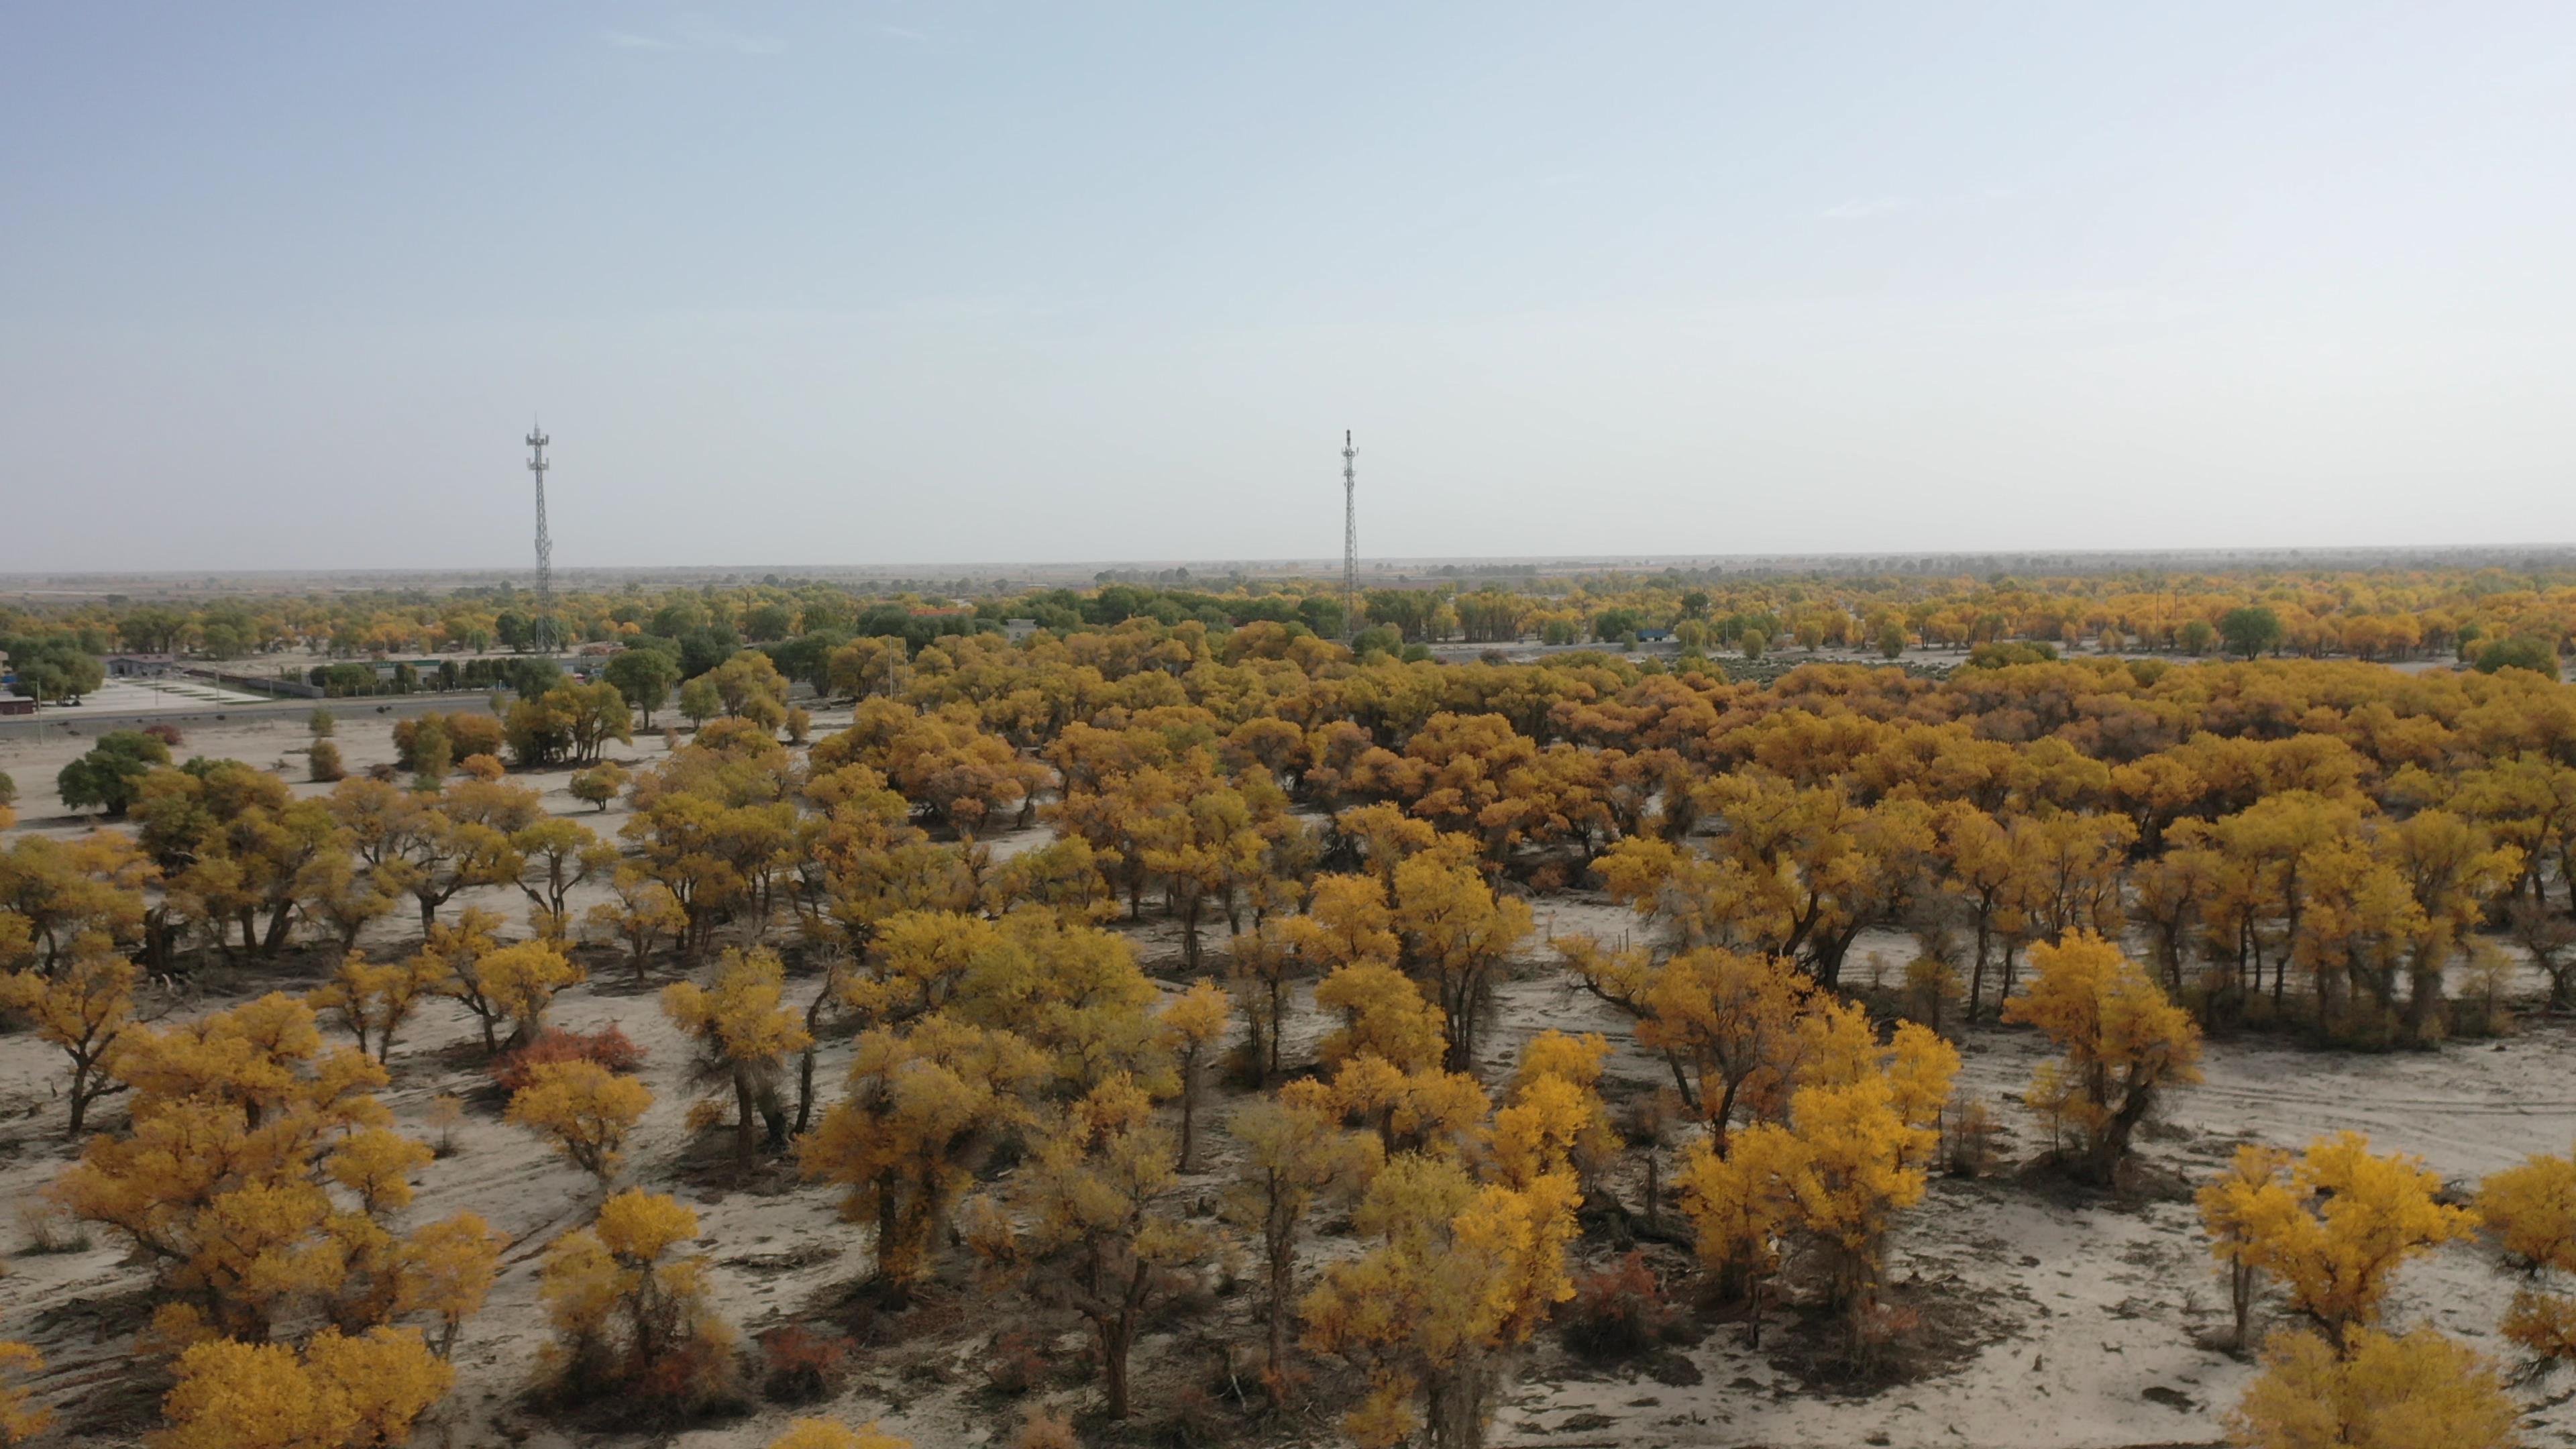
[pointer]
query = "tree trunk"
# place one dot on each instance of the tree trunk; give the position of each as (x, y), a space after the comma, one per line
(1283, 1274)
(80, 1098)
(744, 1144)
(804, 1090)
(280, 917)
(1456, 1404)
(1117, 1335)
(888, 1225)
(1977, 977)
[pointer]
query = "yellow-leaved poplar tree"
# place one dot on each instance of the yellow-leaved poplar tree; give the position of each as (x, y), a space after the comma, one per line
(587, 1109)
(84, 1008)
(1088, 1224)
(2352, 1219)
(2532, 1208)
(1295, 1153)
(448, 1270)
(1552, 1118)
(1192, 1025)
(1726, 1020)
(918, 1103)
(1851, 1155)
(1462, 1273)
(1383, 1015)
(642, 914)
(339, 1393)
(2419, 1391)
(373, 1000)
(2123, 1042)
(630, 1313)
(513, 984)
(744, 1031)
(258, 1174)
(1456, 934)
(2244, 1209)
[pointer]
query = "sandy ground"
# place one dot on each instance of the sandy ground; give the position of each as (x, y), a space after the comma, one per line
(2061, 1321)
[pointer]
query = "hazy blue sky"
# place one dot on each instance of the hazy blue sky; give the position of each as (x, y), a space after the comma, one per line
(911, 282)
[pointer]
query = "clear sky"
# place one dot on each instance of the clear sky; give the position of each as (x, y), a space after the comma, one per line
(280, 285)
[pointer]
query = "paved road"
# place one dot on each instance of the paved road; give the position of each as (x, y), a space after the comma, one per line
(57, 724)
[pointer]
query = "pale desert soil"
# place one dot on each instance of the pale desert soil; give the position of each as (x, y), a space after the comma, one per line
(2052, 1319)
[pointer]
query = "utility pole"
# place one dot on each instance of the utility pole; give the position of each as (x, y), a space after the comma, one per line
(546, 639)
(1350, 537)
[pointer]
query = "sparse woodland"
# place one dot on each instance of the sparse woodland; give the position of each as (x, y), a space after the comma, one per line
(1221, 1024)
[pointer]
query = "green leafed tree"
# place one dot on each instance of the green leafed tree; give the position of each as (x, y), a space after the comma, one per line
(111, 775)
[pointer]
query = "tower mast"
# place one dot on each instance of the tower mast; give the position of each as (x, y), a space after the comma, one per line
(546, 640)
(1350, 537)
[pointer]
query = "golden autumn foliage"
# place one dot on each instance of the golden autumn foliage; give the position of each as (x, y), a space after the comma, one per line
(1384, 1015)
(374, 1000)
(643, 913)
(53, 893)
(1192, 1025)
(2294, 843)
(85, 1007)
(1426, 1110)
(2244, 1209)
(2532, 1210)
(1295, 1154)
(1346, 921)
(339, 1393)
(1552, 1120)
(629, 1313)
(1727, 1021)
(918, 1102)
(1087, 1223)
(1460, 1274)
(586, 1108)
(2418, 1391)
(2122, 1044)
(448, 1268)
(2332, 1225)
(513, 984)
(1852, 1153)
(824, 1434)
(20, 1418)
(744, 1032)
(243, 1127)
(1456, 934)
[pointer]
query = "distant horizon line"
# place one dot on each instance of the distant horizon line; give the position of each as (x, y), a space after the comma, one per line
(1320, 565)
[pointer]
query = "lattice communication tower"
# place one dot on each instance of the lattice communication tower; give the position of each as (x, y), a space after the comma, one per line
(546, 639)
(1350, 537)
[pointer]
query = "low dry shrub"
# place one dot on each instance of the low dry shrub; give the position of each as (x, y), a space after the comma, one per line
(800, 1366)
(1015, 1364)
(1618, 1311)
(1968, 1139)
(608, 1046)
(1043, 1429)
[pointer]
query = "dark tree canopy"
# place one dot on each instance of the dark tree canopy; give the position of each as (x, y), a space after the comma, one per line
(108, 776)
(52, 669)
(2250, 630)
